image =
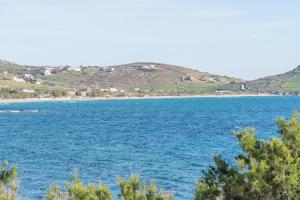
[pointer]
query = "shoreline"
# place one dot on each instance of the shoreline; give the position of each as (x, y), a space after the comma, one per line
(62, 99)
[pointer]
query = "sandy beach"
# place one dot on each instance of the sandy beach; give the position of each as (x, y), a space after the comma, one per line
(29, 100)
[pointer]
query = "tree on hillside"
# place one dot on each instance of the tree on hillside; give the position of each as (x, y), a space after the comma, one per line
(8, 186)
(264, 171)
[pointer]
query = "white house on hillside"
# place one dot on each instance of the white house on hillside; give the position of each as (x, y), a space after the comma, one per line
(47, 72)
(113, 89)
(28, 91)
(147, 67)
(28, 77)
(19, 80)
(74, 68)
(243, 86)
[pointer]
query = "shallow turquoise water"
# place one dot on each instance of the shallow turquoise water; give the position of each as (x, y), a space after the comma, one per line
(168, 140)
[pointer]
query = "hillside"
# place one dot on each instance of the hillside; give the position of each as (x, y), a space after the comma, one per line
(119, 80)
(134, 79)
(286, 83)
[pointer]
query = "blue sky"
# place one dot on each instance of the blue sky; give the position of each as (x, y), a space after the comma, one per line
(240, 38)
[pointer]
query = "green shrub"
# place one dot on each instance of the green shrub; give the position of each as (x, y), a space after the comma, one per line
(8, 186)
(265, 170)
(76, 190)
(133, 189)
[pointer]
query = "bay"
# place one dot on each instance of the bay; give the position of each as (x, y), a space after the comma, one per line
(166, 140)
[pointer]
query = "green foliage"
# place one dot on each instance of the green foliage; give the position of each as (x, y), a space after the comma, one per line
(58, 93)
(55, 193)
(133, 189)
(15, 93)
(266, 170)
(76, 190)
(8, 186)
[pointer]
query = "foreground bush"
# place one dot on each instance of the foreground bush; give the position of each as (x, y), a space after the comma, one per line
(8, 186)
(265, 170)
(133, 189)
(76, 190)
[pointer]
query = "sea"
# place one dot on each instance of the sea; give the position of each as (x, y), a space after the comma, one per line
(169, 141)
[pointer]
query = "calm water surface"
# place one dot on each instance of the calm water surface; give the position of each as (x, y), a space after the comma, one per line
(168, 140)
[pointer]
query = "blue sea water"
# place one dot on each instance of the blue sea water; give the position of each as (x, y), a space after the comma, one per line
(167, 140)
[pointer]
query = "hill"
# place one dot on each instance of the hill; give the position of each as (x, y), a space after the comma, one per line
(132, 79)
(286, 83)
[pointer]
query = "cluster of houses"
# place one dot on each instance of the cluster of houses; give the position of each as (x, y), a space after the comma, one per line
(46, 71)
(26, 78)
(286, 93)
(149, 67)
(208, 79)
(111, 90)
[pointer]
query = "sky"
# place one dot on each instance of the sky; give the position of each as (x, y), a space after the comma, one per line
(240, 38)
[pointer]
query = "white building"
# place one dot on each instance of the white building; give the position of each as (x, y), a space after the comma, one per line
(147, 67)
(74, 68)
(111, 69)
(47, 72)
(19, 80)
(28, 91)
(221, 92)
(243, 86)
(113, 89)
(28, 77)
(109, 90)
(83, 94)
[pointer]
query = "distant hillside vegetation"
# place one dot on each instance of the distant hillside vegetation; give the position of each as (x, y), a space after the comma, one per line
(287, 83)
(134, 79)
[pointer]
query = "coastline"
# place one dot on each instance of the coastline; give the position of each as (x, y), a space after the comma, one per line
(30, 100)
